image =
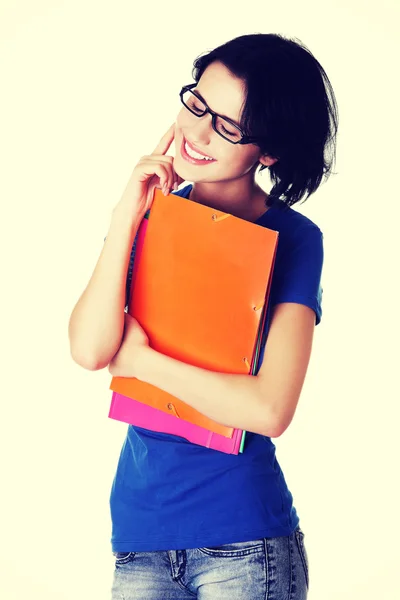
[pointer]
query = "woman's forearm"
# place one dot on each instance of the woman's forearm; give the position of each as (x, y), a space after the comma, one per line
(232, 400)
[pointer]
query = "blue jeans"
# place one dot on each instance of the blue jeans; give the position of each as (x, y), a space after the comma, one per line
(263, 569)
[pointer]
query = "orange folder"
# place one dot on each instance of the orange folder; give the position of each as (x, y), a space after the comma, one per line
(200, 287)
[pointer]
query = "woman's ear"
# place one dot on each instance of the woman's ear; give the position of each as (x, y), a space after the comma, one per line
(266, 160)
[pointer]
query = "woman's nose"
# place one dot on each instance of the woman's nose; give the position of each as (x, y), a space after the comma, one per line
(202, 130)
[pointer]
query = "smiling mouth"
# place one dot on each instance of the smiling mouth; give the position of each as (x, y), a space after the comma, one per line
(193, 156)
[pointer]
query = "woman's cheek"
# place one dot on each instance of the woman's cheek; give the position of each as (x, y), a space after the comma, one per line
(182, 119)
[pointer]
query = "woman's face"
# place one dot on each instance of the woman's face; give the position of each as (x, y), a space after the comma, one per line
(224, 94)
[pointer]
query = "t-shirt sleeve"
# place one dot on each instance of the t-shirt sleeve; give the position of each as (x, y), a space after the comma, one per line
(299, 272)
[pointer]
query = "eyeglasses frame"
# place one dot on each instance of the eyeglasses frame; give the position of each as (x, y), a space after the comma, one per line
(245, 138)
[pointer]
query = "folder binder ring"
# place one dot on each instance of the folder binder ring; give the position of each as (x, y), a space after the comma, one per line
(172, 408)
(216, 218)
(258, 307)
(246, 363)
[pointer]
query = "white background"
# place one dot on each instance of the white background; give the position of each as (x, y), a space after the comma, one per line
(87, 88)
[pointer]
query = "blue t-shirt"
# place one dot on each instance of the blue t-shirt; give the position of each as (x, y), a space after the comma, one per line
(171, 494)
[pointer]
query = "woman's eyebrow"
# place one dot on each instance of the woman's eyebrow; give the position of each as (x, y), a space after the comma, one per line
(224, 116)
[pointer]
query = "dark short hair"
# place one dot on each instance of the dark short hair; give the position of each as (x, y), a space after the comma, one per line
(289, 105)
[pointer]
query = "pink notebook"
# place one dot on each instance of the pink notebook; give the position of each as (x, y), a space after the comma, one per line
(136, 413)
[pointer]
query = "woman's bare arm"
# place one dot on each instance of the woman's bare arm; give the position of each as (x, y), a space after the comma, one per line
(97, 321)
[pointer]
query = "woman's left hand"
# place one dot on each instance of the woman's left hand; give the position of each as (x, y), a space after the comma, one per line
(134, 344)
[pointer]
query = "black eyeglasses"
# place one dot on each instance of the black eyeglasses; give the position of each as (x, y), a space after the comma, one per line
(221, 125)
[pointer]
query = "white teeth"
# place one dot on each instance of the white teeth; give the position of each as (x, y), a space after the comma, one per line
(196, 154)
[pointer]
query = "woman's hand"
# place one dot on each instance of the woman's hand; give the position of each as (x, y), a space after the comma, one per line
(153, 171)
(134, 346)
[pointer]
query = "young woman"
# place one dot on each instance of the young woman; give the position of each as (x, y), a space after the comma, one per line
(189, 522)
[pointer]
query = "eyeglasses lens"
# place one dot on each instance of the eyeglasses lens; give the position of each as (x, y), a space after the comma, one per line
(198, 108)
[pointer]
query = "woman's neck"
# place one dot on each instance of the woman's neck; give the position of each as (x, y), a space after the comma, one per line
(238, 200)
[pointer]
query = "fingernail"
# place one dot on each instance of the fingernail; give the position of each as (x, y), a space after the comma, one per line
(175, 185)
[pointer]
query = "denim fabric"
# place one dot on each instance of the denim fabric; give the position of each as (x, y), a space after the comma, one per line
(265, 569)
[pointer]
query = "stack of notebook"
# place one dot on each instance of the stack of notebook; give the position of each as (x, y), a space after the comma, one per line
(200, 288)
